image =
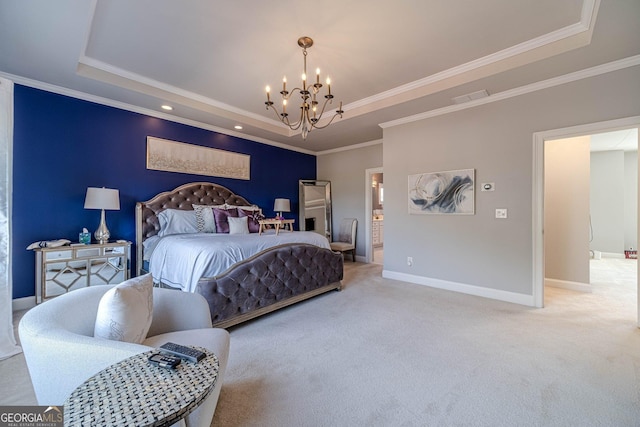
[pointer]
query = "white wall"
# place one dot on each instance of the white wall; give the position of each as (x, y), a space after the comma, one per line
(479, 253)
(607, 201)
(631, 200)
(566, 210)
(346, 171)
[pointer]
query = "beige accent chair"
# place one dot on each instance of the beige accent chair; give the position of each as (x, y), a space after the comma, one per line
(346, 241)
(61, 352)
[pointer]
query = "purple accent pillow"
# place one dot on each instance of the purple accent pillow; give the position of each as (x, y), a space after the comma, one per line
(254, 216)
(221, 215)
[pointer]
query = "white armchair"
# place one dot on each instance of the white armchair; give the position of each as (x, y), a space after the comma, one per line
(61, 352)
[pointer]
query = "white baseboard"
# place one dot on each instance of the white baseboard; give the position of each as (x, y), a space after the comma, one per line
(23, 303)
(463, 288)
(565, 284)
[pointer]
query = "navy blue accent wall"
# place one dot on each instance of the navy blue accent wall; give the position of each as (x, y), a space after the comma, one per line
(63, 145)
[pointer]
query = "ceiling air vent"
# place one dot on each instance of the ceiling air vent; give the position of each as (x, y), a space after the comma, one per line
(470, 97)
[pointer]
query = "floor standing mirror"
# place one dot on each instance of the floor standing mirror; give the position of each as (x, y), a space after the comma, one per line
(315, 206)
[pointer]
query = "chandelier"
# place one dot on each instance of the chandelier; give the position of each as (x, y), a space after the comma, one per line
(310, 95)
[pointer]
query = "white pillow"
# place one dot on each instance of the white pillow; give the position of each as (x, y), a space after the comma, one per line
(238, 225)
(177, 221)
(125, 311)
(205, 221)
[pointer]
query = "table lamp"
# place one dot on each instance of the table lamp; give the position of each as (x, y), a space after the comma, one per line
(104, 199)
(281, 205)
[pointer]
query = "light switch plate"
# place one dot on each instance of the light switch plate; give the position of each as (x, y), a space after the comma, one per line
(501, 213)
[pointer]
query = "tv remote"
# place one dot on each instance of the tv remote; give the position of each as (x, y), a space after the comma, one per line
(164, 361)
(184, 352)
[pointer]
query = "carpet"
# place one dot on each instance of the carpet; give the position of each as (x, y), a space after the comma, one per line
(382, 352)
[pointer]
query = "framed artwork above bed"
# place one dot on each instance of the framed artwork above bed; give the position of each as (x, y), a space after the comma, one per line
(173, 156)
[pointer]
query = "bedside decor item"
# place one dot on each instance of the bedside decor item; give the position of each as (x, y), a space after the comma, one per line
(48, 244)
(309, 114)
(103, 199)
(281, 205)
(450, 192)
(84, 237)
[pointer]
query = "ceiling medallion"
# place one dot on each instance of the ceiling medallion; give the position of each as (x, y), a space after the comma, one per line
(310, 115)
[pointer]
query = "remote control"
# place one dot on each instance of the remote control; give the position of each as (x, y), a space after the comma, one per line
(164, 360)
(184, 352)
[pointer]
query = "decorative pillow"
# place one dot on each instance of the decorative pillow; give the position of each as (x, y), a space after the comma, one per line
(205, 221)
(125, 311)
(250, 208)
(238, 225)
(221, 215)
(177, 221)
(253, 217)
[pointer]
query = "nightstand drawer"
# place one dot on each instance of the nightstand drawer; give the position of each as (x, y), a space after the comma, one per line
(58, 255)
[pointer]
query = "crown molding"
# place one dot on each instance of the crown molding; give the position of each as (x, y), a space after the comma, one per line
(47, 87)
(560, 40)
(349, 147)
(533, 87)
(104, 72)
(569, 37)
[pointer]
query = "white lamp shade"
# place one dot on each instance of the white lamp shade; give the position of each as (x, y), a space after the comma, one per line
(102, 198)
(282, 205)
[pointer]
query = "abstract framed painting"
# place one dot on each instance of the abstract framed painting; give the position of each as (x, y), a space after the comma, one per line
(450, 192)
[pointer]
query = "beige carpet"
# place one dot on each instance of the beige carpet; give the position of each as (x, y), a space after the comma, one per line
(385, 353)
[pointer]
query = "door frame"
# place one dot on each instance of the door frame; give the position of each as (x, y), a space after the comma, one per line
(538, 192)
(368, 213)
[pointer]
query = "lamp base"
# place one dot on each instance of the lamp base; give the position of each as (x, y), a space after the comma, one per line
(102, 234)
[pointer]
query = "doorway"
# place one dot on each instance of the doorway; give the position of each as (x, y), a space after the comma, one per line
(374, 215)
(539, 193)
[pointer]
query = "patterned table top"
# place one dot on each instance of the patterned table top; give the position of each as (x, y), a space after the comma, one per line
(134, 392)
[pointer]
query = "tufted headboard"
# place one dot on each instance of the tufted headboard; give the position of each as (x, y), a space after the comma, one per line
(199, 193)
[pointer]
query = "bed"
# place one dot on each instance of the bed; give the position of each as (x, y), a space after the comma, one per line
(242, 276)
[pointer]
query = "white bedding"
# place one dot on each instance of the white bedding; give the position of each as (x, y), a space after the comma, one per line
(180, 260)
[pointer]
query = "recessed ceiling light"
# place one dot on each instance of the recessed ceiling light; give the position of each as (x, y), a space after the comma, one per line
(167, 107)
(238, 127)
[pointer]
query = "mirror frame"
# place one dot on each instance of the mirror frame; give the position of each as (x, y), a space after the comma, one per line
(327, 204)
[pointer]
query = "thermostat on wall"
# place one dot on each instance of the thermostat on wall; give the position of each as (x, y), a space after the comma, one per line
(487, 186)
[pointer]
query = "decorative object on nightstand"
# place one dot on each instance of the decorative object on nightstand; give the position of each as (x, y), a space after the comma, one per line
(281, 205)
(84, 237)
(104, 199)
